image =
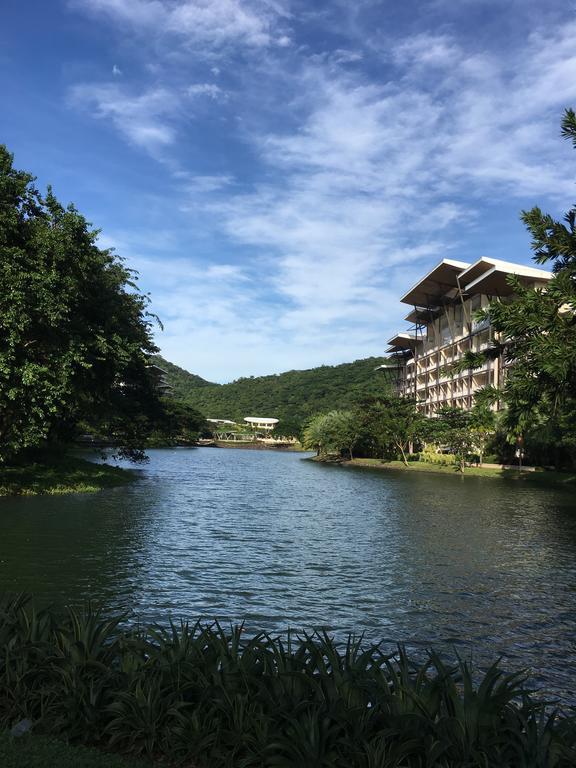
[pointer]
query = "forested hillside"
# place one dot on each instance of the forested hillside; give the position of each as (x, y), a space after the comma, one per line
(181, 380)
(290, 396)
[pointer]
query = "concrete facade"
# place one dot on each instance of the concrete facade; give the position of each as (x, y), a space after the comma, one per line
(443, 327)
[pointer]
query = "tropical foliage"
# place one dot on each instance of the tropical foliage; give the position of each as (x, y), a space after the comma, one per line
(333, 432)
(390, 427)
(293, 397)
(180, 380)
(538, 337)
(75, 334)
(391, 423)
(205, 696)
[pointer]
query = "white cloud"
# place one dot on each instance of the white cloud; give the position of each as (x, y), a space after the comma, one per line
(206, 89)
(425, 50)
(343, 56)
(375, 178)
(201, 185)
(211, 23)
(366, 182)
(144, 119)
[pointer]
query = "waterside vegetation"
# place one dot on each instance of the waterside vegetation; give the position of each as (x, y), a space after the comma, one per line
(540, 476)
(204, 696)
(63, 475)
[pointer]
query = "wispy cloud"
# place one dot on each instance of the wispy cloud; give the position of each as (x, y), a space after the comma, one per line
(145, 119)
(215, 23)
(359, 177)
(210, 90)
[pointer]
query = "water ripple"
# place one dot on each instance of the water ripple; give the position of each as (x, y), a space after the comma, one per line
(263, 537)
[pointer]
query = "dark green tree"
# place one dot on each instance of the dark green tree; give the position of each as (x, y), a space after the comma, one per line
(174, 422)
(392, 422)
(288, 428)
(453, 430)
(75, 334)
(538, 339)
(333, 432)
(539, 329)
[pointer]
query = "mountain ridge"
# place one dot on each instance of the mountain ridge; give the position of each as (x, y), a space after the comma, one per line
(293, 395)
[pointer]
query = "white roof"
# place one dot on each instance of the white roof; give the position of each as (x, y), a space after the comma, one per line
(429, 289)
(486, 266)
(260, 420)
(404, 341)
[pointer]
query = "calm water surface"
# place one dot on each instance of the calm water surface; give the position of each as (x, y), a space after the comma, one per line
(269, 538)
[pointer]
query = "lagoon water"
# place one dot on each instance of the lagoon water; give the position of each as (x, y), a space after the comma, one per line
(480, 565)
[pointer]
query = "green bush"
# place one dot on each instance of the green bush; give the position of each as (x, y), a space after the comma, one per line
(209, 697)
(444, 459)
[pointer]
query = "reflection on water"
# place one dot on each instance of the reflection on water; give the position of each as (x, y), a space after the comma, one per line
(276, 541)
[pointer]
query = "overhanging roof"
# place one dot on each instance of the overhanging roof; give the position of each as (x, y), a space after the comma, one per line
(422, 315)
(489, 276)
(486, 266)
(403, 341)
(432, 288)
(398, 351)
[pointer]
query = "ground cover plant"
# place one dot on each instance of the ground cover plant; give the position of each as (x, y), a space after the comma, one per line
(45, 752)
(201, 695)
(64, 474)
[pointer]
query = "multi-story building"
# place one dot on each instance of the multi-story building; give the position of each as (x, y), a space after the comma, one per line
(443, 328)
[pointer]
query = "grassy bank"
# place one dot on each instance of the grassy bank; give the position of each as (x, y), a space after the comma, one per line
(63, 475)
(210, 697)
(44, 752)
(539, 476)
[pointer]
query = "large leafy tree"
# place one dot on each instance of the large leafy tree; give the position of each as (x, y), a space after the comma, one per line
(392, 422)
(453, 429)
(75, 334)
(333, 432)
(539, 332)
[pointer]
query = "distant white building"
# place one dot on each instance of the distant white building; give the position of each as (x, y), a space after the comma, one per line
(259, 422)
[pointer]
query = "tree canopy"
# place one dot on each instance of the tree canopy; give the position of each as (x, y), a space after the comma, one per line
(75, 332)
(539, 329)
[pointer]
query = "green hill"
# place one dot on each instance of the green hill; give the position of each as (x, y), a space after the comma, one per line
(290, 396)
(181, 380)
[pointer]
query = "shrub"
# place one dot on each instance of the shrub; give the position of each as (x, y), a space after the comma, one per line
(207, 696)
(444, 459)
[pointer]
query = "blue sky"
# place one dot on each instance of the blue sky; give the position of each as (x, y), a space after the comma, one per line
(280, 172)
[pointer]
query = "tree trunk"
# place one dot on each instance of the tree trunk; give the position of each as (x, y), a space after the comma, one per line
(404, 459)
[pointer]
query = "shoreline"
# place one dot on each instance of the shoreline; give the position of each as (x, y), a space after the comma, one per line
(529, 475)
(253, 446)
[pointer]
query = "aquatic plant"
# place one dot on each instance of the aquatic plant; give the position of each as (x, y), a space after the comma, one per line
(205, 695)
